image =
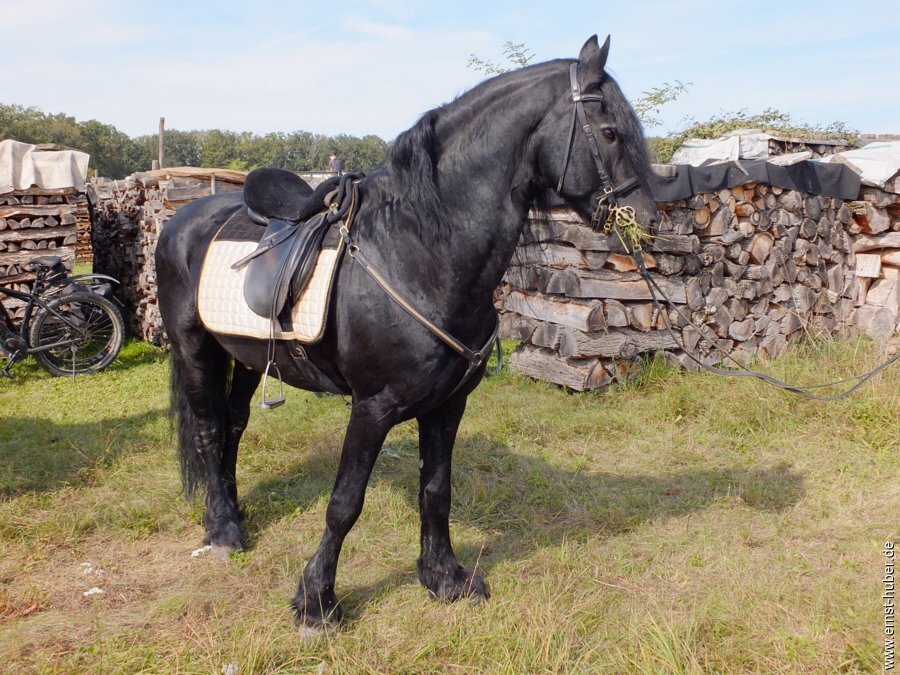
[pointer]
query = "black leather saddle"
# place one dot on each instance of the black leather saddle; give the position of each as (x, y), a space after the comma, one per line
(296, 219)
(278, 194)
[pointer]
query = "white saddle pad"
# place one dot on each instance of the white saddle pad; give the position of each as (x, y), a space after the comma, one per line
(221, 301)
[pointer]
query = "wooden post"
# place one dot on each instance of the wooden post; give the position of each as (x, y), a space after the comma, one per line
(162, 142)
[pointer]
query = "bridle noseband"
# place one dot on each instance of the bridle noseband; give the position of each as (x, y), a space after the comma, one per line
(610, 192)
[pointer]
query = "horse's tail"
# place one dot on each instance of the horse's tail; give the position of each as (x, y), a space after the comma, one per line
(193, 469)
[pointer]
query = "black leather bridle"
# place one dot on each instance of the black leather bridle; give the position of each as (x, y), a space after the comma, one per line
(609, 192)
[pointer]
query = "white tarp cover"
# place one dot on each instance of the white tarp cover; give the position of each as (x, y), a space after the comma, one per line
(876, 163)
(697, 152)
(742, 144)
(23, 166)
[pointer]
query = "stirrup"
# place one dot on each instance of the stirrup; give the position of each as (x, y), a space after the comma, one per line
(274, 402)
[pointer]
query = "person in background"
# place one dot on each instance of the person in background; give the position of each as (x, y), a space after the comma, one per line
(335, 165)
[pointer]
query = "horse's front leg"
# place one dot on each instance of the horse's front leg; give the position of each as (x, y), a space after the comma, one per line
(437, 568)
(315, 602)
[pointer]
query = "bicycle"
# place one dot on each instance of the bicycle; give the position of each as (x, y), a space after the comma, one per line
(69, 325)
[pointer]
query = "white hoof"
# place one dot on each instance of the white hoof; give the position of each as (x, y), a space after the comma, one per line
(221, 552)
(310, 634)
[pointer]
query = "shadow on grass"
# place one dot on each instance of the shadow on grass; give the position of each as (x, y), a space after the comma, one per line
(524, 503)
(39, 456)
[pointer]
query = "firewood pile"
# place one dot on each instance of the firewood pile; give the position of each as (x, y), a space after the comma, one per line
(748, 270)
(131, 214)
(820, 148)
(876, 245)
(38, 222)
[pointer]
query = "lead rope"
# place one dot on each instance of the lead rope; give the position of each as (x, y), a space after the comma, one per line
(744, 372)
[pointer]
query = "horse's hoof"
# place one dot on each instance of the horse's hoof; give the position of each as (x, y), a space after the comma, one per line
(224, 537)
(480, 598)
(222, 552)
(310, 634)
(318, 611)
(451, 586)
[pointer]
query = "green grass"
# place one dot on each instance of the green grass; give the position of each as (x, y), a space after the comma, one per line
(683, 523)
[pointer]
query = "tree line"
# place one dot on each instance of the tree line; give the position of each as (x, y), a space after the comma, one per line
(114, 154)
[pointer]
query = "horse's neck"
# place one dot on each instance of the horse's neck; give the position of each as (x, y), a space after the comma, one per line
(485, 169)
(489, 199)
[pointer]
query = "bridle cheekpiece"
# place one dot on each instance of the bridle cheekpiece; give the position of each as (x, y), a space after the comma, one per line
(610, 192)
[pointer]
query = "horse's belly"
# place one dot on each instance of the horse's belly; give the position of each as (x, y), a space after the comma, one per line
(293, 369)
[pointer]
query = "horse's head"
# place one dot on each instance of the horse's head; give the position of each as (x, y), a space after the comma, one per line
(593, 148)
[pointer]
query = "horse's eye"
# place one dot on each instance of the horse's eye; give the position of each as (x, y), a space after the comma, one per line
(609, 134)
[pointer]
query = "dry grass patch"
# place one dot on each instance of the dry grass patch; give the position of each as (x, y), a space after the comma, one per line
(683, 524)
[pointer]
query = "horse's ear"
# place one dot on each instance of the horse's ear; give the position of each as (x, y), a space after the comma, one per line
(593, 57)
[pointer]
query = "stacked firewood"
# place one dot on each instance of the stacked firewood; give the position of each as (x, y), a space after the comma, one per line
(35, 223)
(745, 269)
(131, 215)
(876, 243)
(817, 148)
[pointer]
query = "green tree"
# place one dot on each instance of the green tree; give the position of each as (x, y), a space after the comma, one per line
(113, 153)
(183, 148)
(31, 125)
(647, 105)
(221, 149)
(516, 53)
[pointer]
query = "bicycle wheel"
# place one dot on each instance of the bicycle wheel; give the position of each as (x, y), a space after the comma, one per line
(87, 330)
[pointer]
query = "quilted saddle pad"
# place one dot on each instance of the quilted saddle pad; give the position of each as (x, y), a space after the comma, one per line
(220, 297)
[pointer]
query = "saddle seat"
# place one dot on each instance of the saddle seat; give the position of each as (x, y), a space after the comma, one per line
(276, 194)
(48, 261)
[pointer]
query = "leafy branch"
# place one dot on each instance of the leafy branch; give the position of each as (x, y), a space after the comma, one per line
(646, 106)
(516, 53)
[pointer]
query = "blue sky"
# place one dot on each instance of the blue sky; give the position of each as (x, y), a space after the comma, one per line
(374, 66)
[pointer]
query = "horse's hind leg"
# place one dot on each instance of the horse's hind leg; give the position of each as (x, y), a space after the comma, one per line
(243, 384)
(200, 390)
(437, 567)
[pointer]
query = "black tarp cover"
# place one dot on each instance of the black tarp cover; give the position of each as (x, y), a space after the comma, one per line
(681, 181)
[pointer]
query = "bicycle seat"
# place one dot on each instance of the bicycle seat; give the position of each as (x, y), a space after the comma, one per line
(48, 261)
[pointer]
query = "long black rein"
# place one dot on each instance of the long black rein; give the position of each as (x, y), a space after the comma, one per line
(746, 372)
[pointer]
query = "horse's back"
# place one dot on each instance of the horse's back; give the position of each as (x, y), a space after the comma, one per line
(186, 236)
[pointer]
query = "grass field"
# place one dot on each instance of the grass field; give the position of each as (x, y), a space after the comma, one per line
(686, 523)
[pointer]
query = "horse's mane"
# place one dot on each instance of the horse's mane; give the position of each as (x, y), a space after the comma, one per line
(413, 162)
(631, 134)
(415, 153)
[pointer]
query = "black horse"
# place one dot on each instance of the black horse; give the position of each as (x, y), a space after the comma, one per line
(440, 223)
